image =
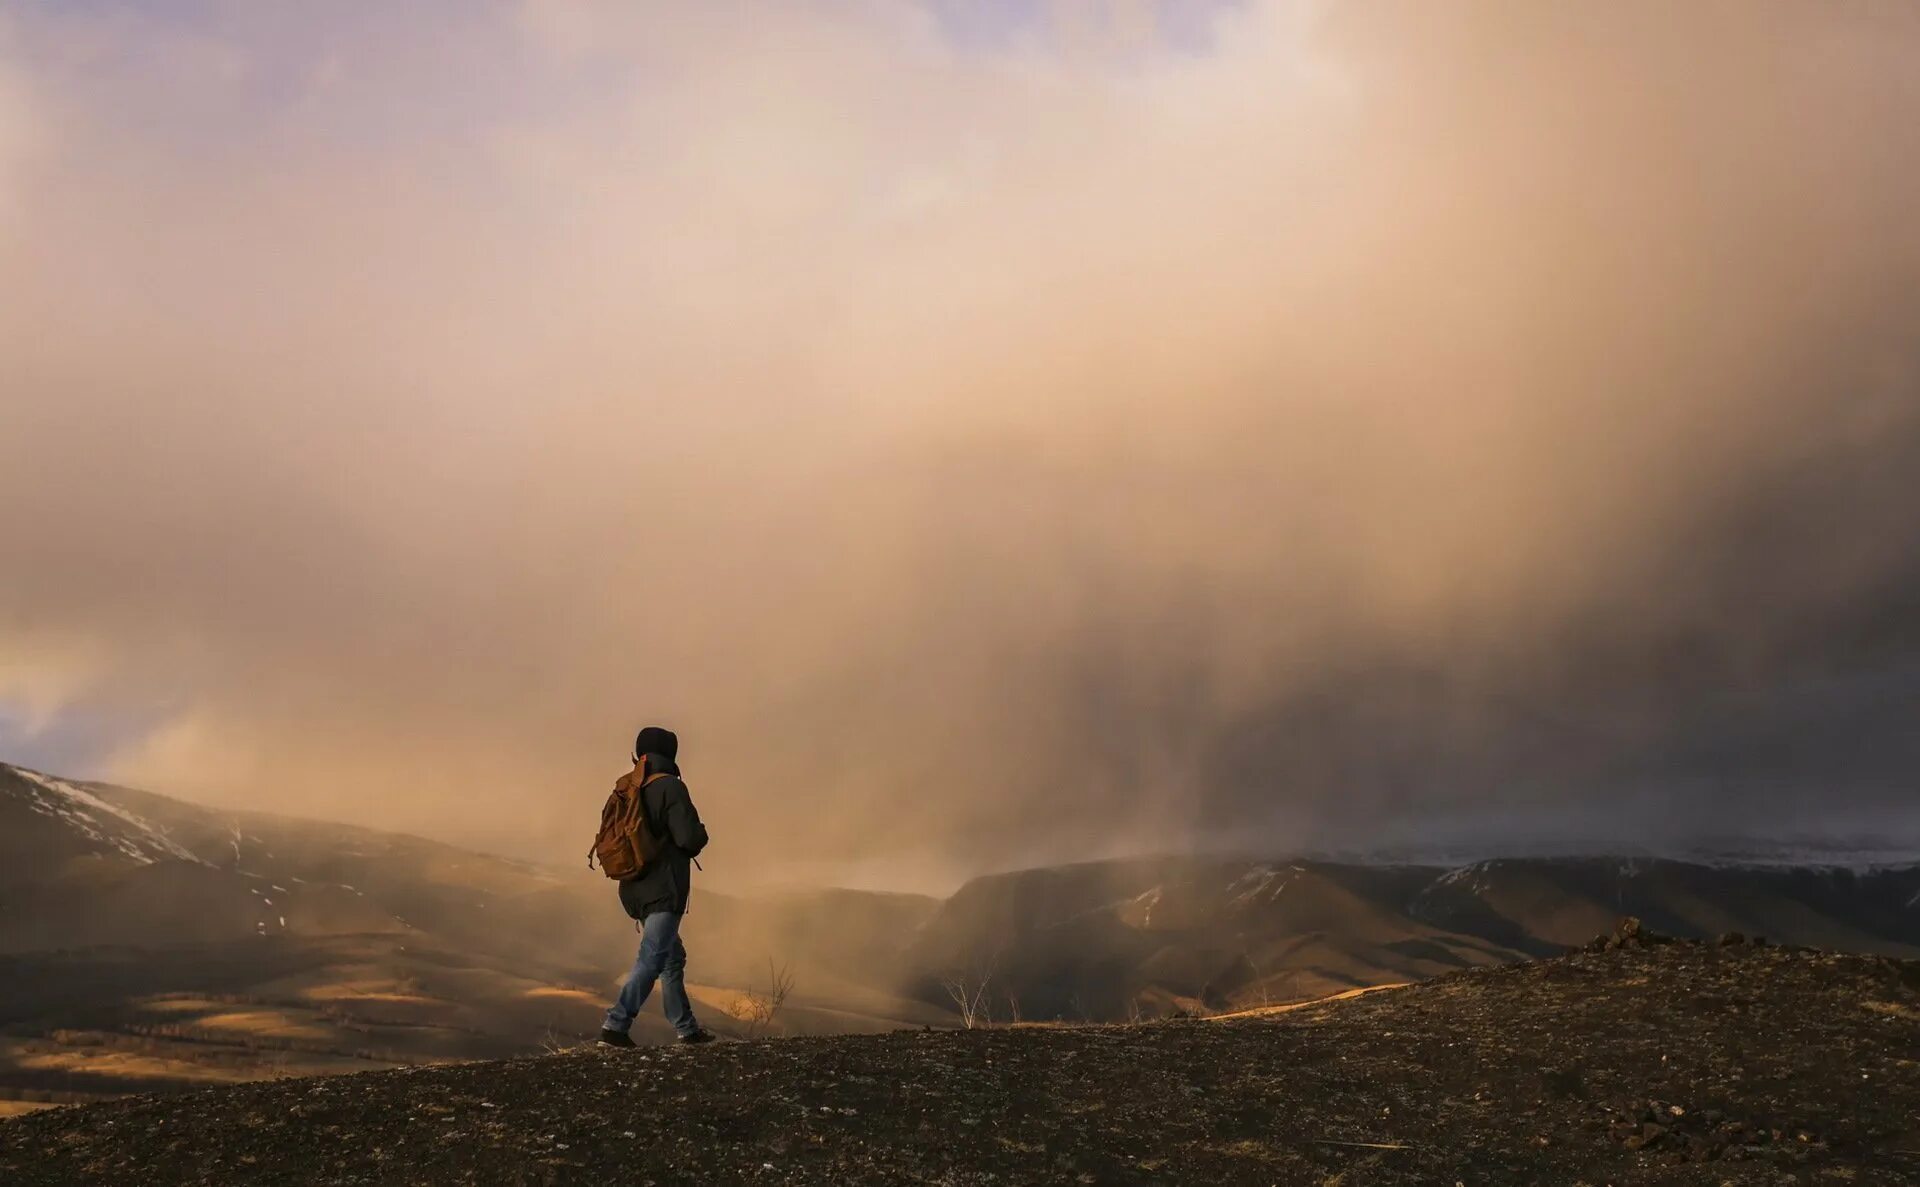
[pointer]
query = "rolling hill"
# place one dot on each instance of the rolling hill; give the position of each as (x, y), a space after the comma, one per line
(149, 944)
(1111, 940)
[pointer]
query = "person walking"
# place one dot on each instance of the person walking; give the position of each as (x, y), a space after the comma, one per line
(656, 896)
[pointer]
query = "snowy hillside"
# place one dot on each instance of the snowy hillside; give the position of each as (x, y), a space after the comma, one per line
(114, 828)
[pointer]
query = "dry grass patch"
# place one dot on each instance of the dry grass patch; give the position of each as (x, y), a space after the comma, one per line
(579, 996)
(95, 1062)
(1265, 1011)
(180, 1005)
(382, 992)
(271, 1024)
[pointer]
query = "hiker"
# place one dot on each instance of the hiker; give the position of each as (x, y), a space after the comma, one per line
(649, 851)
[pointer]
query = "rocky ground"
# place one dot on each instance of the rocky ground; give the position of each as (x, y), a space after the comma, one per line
(1643, 1062)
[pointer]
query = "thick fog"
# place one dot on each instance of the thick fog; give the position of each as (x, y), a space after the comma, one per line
(989, 435)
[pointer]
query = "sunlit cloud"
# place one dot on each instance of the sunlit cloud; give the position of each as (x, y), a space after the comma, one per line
(986, 438)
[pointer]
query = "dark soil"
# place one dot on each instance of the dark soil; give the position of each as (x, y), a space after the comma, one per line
(1647, 1063)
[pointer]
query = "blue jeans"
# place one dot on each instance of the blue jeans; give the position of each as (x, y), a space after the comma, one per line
(662, 958)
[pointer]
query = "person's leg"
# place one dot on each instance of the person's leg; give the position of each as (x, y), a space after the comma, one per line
(673, 991)
(659, 936)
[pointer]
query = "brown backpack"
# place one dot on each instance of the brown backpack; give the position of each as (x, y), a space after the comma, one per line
(626, 842)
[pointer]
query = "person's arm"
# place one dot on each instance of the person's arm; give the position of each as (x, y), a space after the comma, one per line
(683, 823)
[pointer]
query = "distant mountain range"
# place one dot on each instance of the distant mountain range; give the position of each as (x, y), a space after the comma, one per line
(1121, 938)
(149, 943)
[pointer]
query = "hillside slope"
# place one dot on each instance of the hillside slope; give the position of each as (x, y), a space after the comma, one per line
(1682, 1063)
(1114, 939)
(150, 944)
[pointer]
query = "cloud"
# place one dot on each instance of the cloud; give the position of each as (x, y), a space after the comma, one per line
(19, 130)
(981, 451)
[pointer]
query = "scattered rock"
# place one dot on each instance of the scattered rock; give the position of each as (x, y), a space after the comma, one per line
(1628, 933)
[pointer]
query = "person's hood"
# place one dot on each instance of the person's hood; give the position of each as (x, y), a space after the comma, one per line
(656, 739)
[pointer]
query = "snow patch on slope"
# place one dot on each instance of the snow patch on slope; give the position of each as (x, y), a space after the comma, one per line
(1438, 899)
(1266, 881)
(1474, 879)
(98, 820)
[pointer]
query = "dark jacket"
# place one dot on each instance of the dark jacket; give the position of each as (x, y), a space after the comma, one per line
(668, 879)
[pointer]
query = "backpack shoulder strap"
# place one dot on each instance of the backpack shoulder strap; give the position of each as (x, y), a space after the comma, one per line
(640, 793)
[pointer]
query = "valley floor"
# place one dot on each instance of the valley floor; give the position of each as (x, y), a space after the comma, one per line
(1680, 1063)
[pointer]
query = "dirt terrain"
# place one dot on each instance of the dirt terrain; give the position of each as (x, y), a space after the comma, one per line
(1659, 1063)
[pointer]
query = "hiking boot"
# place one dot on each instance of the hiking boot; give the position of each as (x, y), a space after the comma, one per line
(615, 1038)
(701, 1035)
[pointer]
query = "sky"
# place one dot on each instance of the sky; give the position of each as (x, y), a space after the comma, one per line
(989, 433)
